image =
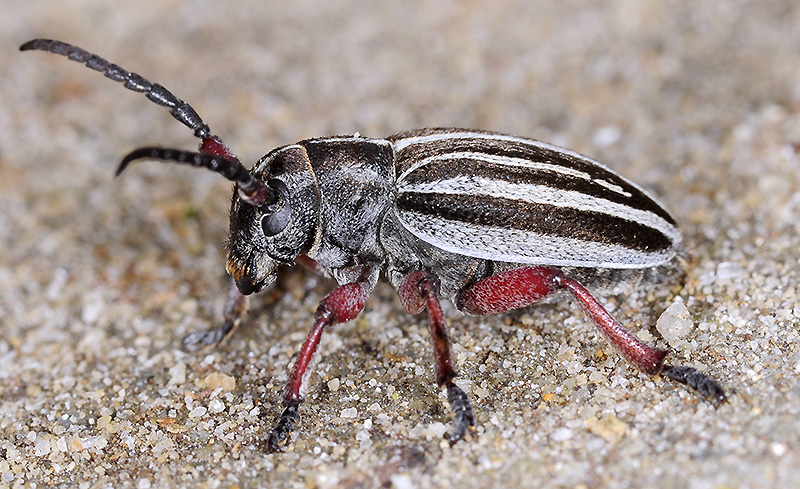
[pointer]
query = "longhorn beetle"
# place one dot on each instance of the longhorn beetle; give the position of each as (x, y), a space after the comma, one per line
(488, 221)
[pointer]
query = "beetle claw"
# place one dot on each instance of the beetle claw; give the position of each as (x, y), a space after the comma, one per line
(199, 340)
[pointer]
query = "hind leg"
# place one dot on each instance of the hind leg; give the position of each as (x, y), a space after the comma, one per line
(523, 286)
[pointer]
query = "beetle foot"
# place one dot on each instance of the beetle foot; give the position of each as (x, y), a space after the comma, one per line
(462, 410)
(707, 387)
(280, 433)
(212, 337)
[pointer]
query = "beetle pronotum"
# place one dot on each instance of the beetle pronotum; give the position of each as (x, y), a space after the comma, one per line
(488, 221)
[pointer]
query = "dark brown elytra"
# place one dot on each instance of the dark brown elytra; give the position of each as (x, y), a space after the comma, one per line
(332, 204)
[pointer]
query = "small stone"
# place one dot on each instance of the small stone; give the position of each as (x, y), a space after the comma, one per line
(609, 427)
(333, 385)
(729, 270)
(42, 445)
(198, 412)
(75, 445)
(606, 136)
(562, 434)
(216, 406)
(777, 449)
(103, 421)
(177, 374)
(402, 481)
(349, 413)
(675, 324)
(218, 380)
(481, 392)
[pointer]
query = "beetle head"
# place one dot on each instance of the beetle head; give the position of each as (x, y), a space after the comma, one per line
(275, 209)
(263, 237)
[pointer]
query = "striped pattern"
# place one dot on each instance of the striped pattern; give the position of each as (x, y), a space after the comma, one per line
(511, 199)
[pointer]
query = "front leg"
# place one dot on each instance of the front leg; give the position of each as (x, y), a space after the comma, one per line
(343, 304)
(237, 304)
(235, 307)
(418, 292)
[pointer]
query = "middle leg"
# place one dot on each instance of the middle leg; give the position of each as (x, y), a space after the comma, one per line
(418, 292)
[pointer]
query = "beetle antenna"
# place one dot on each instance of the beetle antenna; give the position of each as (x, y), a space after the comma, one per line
(251, 190)
(180, 110)
(214, 154)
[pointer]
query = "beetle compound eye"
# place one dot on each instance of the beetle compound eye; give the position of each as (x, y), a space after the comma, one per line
(273, 224)
(277, 216)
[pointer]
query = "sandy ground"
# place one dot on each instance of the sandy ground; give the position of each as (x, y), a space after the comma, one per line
(100, 278)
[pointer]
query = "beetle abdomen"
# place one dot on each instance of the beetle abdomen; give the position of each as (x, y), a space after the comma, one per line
(505, 198)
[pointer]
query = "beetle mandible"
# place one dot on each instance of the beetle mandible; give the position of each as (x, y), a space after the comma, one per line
(488, 221)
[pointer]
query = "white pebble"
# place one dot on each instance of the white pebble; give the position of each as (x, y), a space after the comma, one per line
(177, 374)
(349, 413)
(216, 406)
(561, 434)
(42, 445)
(675, 323)
(606, 136)
(333, 385)
(198, 412)
(727, 270)
(778, 449)
(402, 481)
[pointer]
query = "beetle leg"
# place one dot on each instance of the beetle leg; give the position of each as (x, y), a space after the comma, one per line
(343, 304)
(523, 286)
(237, 304)
(418, 291)
(310, 264)
(235, 307)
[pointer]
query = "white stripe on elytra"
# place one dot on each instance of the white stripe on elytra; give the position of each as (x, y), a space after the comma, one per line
(401, 144)
(519, 246)
(541, 194)
(516, 162)
(355, 138)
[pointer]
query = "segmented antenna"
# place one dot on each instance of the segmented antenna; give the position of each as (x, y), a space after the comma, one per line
(179, 109)
(250, 188)
(214, 154)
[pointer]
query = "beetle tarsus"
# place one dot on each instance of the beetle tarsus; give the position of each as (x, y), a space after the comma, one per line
(707, 387)
(280, 434)
(462, 410)
(235, 307)
(203, 339)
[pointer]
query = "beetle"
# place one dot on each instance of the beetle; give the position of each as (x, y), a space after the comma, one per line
(488, 221)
